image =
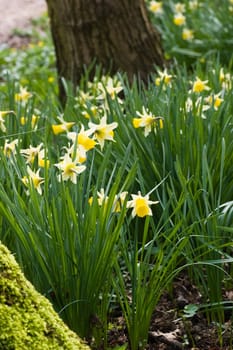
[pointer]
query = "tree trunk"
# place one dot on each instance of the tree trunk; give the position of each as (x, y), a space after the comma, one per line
(116, 33)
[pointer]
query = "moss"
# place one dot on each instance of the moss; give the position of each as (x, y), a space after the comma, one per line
(27, 319)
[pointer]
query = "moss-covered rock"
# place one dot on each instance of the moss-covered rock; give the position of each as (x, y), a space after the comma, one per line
(27, 319)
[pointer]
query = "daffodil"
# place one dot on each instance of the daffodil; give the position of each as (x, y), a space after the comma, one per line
(200, 85)
(10, 147)
(82, 139)
(103, 131)
(179, 7)
(62, 127)
(102, 198)
(187, 34)
(2, 119)
(92, 111)
(119, 201)
(196, 106)
(141, 205)
(225, 79)
(108, 89)
(51, 79)
(214, 100)
(77, 153)
(163, 78)
(42, 161)
(31, 152)
(83, 97)
(156, 7)
(34, 120)
(23, 95)
(69, 169)
(146, 120)
(33, 179)
(179, 19)
(193, 5)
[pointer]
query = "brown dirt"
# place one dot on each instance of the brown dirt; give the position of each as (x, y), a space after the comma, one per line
(17, 14)
(170, 331)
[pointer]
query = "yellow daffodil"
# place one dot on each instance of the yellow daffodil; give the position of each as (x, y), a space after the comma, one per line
(77, 153)
(69, 169)
(196, 106)
(34, 120)
(164, 78)
(179, 19)
(108, 89)
(2, 119)
(200, 85)
(10, 147)
(119, 201)
(63, 127)
(103, 131)
(90, 112)
(214, 100)
(179, 7)
(86, 142)
(82, 139)
(42, 162)
(33, 179)
(23, 95)
(156, 7)
(225, 79)
(51, 79)
(187, 34)
(141, 205)
(193, 5)
(31, 153)
(102, 198)
(146, 120)
(83, 98)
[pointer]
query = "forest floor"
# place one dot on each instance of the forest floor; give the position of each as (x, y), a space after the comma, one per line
(169, 330)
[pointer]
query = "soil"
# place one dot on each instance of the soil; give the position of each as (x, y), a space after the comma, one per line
(168, 331)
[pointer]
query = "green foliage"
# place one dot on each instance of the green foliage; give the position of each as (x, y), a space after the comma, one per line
(203, 29)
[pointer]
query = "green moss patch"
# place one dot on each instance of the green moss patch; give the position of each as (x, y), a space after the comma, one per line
(27, 319)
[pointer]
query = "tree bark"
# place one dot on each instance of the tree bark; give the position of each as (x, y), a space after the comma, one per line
(116, 33)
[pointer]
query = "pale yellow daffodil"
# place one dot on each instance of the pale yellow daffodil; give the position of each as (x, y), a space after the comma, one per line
(146, 120)
(2, 119)
(156, 7)
(179, 19)
(33, 179)
(103, 131)
(62, 127)
(187, 34)
(10, 147)
(141, 205)
(214, 100)
(23, 95)
(31, 153)
(200, 85)
(69, 169)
